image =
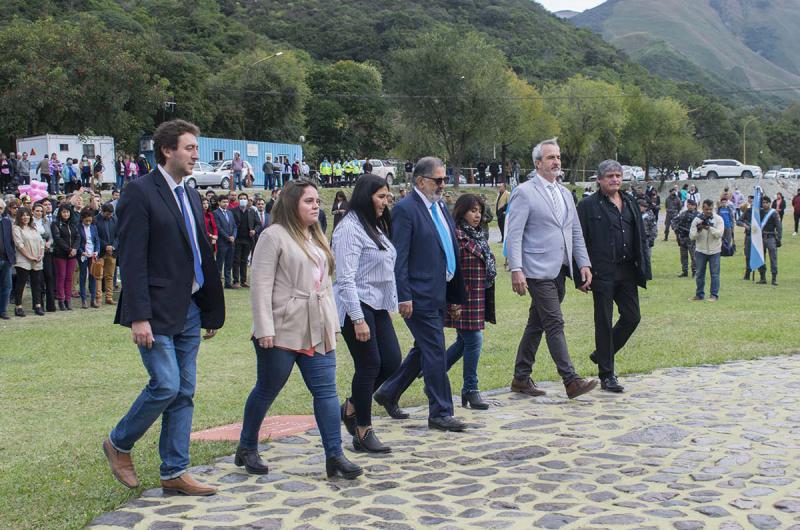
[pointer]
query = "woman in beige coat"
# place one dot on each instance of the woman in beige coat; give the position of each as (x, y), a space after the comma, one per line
(30, 256)
(294, 322)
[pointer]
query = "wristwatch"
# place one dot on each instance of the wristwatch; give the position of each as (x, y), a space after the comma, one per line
(358, 321)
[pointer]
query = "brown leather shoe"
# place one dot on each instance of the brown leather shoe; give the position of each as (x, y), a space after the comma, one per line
(187, 485)
(121, 465)
(578, 387)
(95, 304)
(110, 301)
(526, 386)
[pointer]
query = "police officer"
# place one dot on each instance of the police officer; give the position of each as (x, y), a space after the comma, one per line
(325, 171)
(673, 204)
(337, 172)
(681, 225)
(771, 235)
(744, 221)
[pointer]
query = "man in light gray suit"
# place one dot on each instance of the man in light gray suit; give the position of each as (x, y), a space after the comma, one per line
(543, 237)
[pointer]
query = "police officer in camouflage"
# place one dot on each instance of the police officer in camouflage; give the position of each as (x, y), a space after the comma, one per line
(681, 225)
(673, 205)
(771, 232)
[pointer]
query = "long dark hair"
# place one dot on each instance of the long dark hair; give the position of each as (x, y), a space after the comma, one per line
(361, 206)
(464, 204)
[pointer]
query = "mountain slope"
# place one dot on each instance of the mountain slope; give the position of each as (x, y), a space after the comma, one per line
(729, 40)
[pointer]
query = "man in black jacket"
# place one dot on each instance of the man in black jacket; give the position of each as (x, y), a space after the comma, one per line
(246, 224)
(614, 236)
(107, 232)
(170, 289)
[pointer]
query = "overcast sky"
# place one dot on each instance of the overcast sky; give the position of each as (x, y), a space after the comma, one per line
(574, 5)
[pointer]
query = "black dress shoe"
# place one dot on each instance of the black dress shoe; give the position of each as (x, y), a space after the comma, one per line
(593, 357)
(4, 316)
(447, 423)
(61, 306)
(474, 400)
(683, 275)
(251, 460)
(392, 408)
(19, 312)
(39, 311)
(370, 443)
(339, 465)
(610, 384)
(349, 421)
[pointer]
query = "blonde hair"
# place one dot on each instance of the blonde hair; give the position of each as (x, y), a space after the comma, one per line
(285, 213)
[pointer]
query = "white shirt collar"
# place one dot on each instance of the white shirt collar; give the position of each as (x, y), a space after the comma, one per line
(546, 182)
(168, 178)
(425, 199)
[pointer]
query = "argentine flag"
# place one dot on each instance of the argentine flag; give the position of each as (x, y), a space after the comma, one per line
(756, 239)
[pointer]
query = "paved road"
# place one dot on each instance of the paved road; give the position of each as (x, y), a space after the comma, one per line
(712, 447)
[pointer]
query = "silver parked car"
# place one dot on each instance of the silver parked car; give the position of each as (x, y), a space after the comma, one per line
(204, 176)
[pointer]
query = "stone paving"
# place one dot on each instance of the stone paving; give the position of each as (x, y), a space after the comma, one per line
(712, 447)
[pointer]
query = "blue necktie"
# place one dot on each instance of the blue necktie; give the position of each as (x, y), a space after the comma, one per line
(447, 243)
(198, 268)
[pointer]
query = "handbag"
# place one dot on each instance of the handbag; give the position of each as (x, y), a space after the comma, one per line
(97, 269)
(728, 248)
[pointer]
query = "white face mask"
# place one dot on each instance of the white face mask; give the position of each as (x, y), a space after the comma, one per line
(243, 203)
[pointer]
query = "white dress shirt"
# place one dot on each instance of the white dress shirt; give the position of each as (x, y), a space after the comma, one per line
(171, 185)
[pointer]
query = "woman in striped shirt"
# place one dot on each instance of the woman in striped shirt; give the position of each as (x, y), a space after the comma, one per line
(365, 293)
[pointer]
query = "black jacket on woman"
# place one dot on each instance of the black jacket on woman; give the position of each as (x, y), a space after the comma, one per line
(65, 238)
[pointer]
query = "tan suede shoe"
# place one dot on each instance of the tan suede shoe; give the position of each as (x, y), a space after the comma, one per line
(121, 465)
(187, 485)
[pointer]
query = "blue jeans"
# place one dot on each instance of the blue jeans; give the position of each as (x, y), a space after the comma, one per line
(268, 184)
(273, 367)
(713, 265)
(468, 345)
(86, 276)
(120, 181)
(172, 365)
(5, 284)
(237, 180)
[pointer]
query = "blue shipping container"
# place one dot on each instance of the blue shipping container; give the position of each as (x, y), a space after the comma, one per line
(251, 151)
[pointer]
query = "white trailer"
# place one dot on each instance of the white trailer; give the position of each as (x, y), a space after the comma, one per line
(70, 146)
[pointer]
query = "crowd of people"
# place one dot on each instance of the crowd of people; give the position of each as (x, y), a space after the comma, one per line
(427, 260)
(45, 243)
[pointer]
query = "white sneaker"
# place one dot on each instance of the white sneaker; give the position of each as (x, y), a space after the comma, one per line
(794, 234)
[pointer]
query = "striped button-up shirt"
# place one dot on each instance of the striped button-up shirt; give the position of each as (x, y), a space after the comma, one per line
(364, 273)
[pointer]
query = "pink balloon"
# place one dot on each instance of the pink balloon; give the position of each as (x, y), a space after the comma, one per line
(24, 189)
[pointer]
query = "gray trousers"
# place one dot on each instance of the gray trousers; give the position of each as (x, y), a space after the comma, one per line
(687, 251)
(545, 317)
(771, 250)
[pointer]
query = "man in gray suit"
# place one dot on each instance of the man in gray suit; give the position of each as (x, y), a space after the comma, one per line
(543, 237)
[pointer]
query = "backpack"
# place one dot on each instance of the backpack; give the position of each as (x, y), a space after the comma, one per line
(728, 248)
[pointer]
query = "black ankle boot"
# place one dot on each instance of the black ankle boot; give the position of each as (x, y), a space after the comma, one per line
(38, 310)
(339, 465)
(762, 279)
(251, 460)
(68, 305)
(775, 280)
(746, 275)
(370, 443)
(61, 306)
(18, 311)
(349, 421)
(474, 400)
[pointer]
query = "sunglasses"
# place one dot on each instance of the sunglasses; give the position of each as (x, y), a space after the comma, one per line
(439, 181)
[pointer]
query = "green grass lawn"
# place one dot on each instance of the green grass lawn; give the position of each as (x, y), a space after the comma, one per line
(67, 378)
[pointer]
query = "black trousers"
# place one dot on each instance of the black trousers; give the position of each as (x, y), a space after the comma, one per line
(49, 283)
(225, 260)
(545, 317)
(609, 339)
(22, 281)
(241, 251)
(501, 224)
(374, 360)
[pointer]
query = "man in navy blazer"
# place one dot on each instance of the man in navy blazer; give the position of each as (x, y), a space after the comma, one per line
(429, 283)
(8, 257)
(226, 228)
(170, 288)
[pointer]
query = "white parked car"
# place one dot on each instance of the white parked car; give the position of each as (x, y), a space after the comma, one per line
(204, 176)
(725, 168)
(771, 174)
(380, 168)
(637, 173)
(787, 173)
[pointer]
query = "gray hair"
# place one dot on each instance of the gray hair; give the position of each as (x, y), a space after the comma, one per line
(537, 151)
(426, 166)
(608, 166)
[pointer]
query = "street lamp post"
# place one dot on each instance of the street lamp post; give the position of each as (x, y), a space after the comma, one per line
(744, 138)
(267, 58)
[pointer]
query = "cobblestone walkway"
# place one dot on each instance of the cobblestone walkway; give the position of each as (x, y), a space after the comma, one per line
(710, 447)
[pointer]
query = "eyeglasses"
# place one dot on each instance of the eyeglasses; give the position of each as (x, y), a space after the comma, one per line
(439, 181)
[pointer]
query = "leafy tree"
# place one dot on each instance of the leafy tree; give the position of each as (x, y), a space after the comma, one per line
(520, 121)
(346, 113)
(657, 129)
(587, 110)
(260, 96)
(447, 88)
(783, 135)
(67, 77)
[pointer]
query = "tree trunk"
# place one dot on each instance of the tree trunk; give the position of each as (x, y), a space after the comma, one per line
(504, 160)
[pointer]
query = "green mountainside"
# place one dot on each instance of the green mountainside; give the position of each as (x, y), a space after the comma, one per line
(721, 44)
